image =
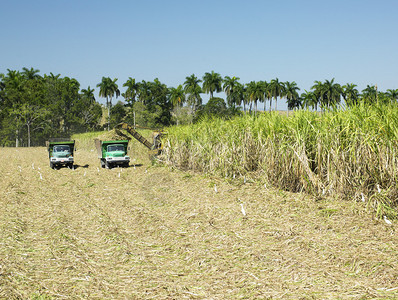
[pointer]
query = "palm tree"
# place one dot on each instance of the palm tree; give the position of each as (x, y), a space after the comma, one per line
(261, 88)
(239, 94)
(255, 92)
(230, 89)
(14, 79)
(309, 99)
(277, 90)
(292, 95)
(193, 89)
(392, 94)
(89, 94)
(317, 93)
(108, 89)
(331, 92)
(132, 90)
(246, 97)
(265, 86)
(369, 94)
(212, 83)
(249, 95)
(30, 73)
(52, 76)
(350, 93)
(144, 92)
(177, 95)
(268, 95)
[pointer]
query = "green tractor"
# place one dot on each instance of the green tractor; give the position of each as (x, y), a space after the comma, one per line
(60, 153)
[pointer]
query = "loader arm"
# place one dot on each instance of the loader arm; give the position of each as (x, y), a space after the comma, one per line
(155, 147)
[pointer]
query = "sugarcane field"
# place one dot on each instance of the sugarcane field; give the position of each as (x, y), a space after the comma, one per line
(153, 231)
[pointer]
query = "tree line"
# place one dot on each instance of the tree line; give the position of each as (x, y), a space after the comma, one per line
(34, 107)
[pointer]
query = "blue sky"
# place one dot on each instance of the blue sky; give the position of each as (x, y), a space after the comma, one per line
(353, 41)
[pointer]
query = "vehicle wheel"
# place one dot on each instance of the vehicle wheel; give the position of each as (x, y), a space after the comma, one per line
(102, 163)
(70, 165)
(126, 165)
(51, 165)
(108, 165)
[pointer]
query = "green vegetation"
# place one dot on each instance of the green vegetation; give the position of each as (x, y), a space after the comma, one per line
(33, 107)
(338, 152)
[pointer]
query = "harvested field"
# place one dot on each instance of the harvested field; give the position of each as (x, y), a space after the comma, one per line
(148, 232)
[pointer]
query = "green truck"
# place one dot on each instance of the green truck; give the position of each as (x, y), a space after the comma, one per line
(112, 153)
(60, 153)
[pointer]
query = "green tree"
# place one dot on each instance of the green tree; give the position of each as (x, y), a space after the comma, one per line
(309, 99)
(67, 105)
(33, 108)
(160, 102)
(131, 91)
(369, 94)
(277, 90)
(331, 93)
(88, 94)
(108, 89)
(266, 92)
(250, 94)
(215, 107)
(392, 95)
(31, 116)
(118, 113)
(155, 99)
(255, 92)
(230, 87)
(246, 98)
(292, 96)
(177, 98)
(317, 93)
(30, 73)
(144, 92)
(14, 89)
(350, 94)
(90, 110)
(193, 90)
(212, 83)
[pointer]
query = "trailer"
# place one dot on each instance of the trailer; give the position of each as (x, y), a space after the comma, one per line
(60, 152)
(112, 153)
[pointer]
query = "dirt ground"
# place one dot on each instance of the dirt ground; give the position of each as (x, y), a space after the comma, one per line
(148, 232)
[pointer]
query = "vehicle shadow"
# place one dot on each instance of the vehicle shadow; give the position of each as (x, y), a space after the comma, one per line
(135, 165)
(79, 166)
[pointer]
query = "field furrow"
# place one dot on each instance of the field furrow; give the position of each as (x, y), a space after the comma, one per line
(149, 232)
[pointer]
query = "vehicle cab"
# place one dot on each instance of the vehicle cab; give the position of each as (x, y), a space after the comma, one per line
(61, 153)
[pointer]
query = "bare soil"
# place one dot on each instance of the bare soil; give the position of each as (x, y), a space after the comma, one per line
(149, 232)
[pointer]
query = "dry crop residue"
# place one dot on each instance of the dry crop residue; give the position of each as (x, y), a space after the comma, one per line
(147, 232)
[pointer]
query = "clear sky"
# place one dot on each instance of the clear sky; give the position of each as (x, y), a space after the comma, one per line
(353, 41)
